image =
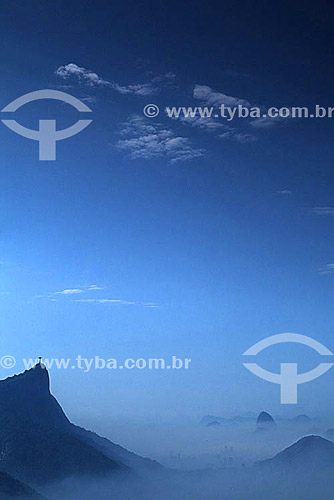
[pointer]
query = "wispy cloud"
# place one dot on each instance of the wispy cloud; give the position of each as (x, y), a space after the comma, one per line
(323, 211)
(326, 269)
(118, 301)
(211, 97)
(284, 192)
(94, 287)
(213, 125)
(92, 79)
(89, 290)
(106, 301)
(70, 291)
(267, 122)
(234, 135)
(200, 122)
(136, 89)
(89, 98)
(147, 140)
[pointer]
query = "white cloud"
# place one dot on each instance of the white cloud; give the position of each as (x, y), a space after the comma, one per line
(213, 125)
(92, 79)
(117, 301)
(200, 122)
(89, 98)
(234, 135)
(326, 269)
(92, 288)
(150, 304)
(142, 89)
(284, 192)
(149, 141)
(267, 122)
(323, 210)
(70, 291)
(83, 75)
(166, 78)
(210, 97)
(106, 301)
(213, 98)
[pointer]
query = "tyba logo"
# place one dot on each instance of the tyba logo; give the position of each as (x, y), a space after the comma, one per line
(47, 135)
(288, 378)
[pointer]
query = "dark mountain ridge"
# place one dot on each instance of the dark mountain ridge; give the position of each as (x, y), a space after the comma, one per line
(309, 452)
(38, 443)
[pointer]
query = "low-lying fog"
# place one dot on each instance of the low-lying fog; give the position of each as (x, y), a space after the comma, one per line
(191, 445)
(209, 463)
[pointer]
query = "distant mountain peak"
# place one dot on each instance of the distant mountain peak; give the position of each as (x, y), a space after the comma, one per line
(264, 420)
(301, 419)
(215, 423)
(309, 451)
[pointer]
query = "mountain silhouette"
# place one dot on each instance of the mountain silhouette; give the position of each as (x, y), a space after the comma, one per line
(215, 423)
(301, 419)
(264, 421)
(309, 452)
(264, 418)
(237, 419)
(39, 444)
(28, 395)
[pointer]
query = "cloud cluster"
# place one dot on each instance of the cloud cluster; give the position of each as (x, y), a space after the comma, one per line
(82, 74)
(210, 97)
(141, 139)
(92, 79)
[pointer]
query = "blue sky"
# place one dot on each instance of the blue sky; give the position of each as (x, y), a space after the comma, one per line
(168, 238)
